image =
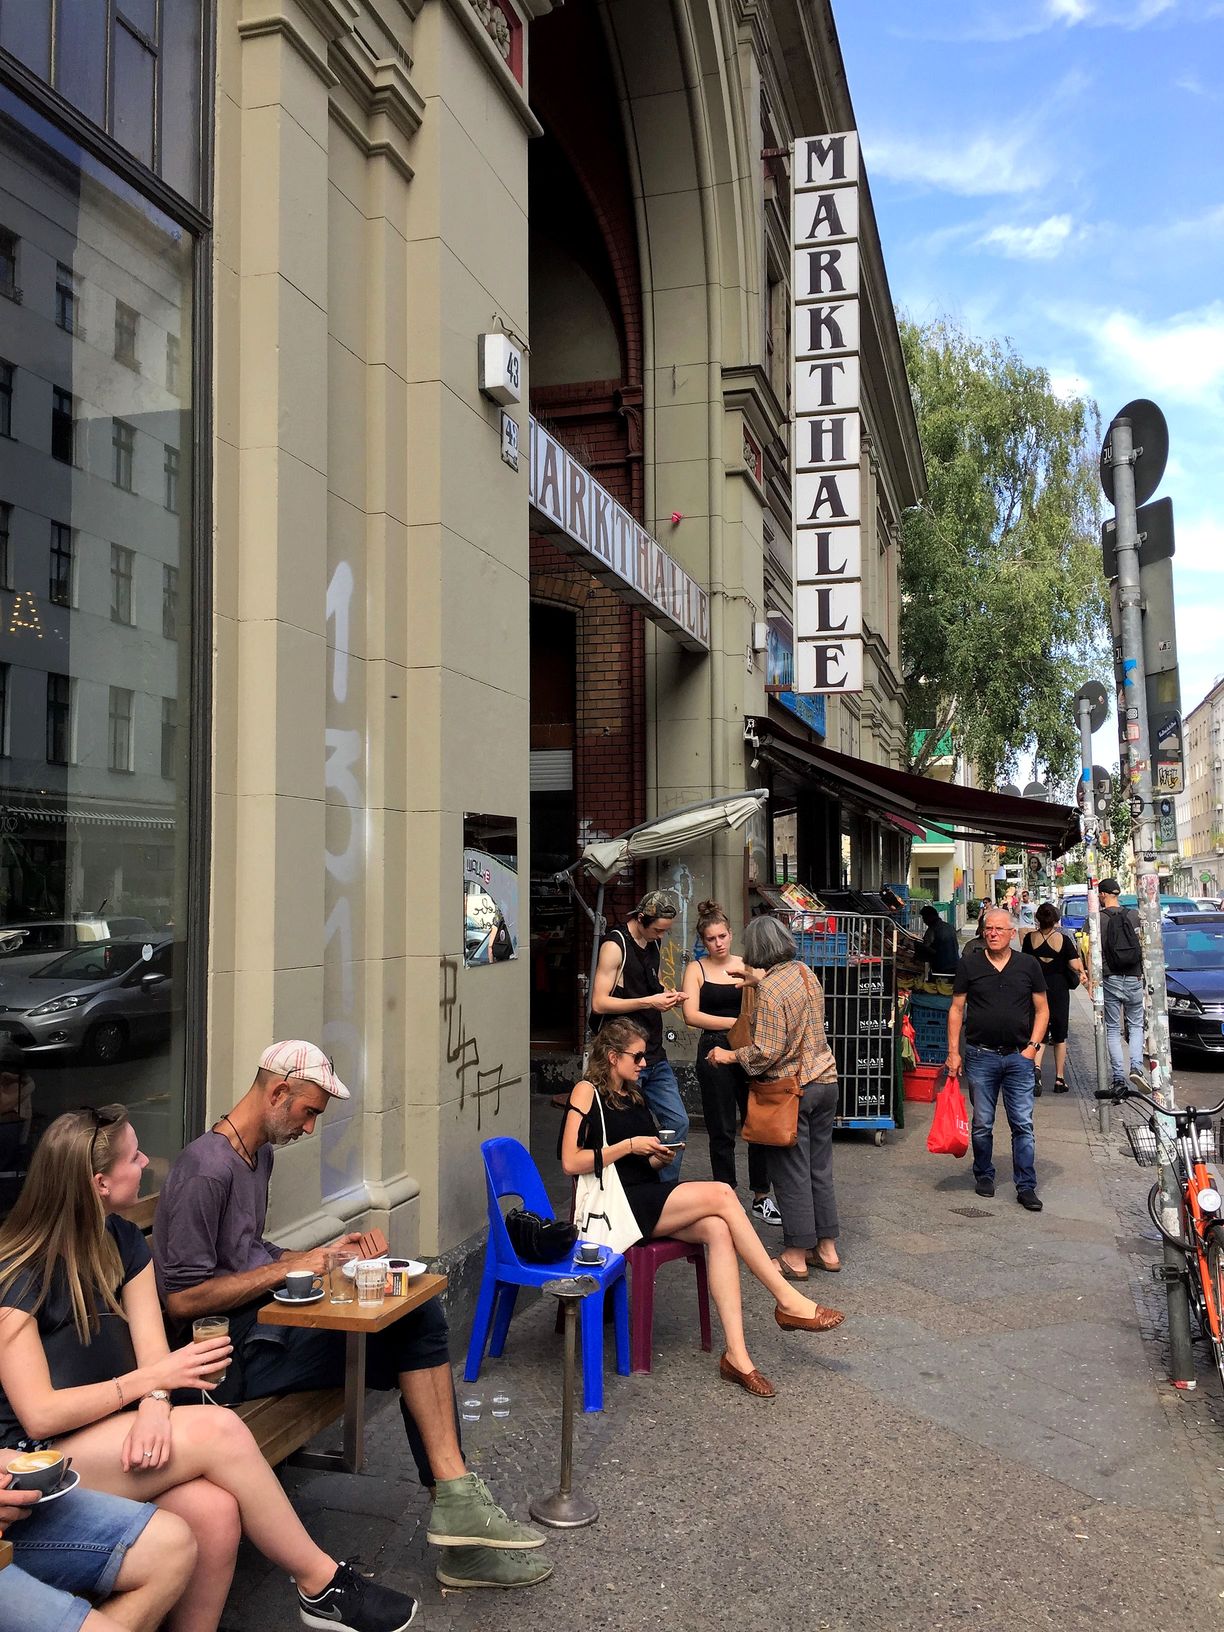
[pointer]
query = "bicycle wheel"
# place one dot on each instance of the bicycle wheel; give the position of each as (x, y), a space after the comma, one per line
(1153, 1206)
(1215, 1270)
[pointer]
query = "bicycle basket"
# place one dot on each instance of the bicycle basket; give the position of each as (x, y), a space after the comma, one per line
(1142, 1140)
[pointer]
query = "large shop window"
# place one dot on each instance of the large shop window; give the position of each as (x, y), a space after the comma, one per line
(96, 443)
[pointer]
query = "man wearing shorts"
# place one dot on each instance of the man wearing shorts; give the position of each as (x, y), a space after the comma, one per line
(93, 1549)
(211, 1258)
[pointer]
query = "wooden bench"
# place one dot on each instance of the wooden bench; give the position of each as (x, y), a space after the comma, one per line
(281, 1423)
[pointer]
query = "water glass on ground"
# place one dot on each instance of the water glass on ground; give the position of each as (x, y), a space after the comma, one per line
(372, 1282)
(339, 1285)
(470, 1408)
(500, 1405)
(210, 1326)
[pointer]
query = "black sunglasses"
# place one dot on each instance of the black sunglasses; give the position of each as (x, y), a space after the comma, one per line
(638, 1059)
(100, 1122)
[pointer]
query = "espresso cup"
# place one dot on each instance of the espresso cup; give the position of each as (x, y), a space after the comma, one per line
(301, 1283)
(35, 1470)
(588, 1252)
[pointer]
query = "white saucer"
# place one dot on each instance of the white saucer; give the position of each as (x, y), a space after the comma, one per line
(413, 1265)
(282, 1296)
(69, 1482)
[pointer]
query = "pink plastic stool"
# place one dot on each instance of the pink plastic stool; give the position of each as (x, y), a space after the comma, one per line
(644, 1261)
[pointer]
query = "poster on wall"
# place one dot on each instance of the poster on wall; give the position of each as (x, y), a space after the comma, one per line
(490, 889)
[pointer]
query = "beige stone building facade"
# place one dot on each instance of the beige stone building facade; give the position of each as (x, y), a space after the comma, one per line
(1200, 807)
(418, 677)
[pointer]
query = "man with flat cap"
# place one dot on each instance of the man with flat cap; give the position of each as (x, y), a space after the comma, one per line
(211, 1258)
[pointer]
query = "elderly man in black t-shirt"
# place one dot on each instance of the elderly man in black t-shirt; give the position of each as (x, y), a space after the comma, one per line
(999, 1000)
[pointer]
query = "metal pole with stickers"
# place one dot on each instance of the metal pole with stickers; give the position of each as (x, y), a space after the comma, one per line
(1132, 463)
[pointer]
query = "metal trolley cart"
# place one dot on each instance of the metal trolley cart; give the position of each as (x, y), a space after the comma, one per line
(854, 954)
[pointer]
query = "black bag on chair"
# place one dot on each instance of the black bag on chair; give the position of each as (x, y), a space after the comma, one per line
(539, 1240)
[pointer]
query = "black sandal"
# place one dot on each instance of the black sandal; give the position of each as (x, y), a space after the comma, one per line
(1060, 1086)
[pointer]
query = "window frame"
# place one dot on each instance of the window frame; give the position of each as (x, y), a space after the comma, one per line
(123, 448)
(127, 721)
(172, 465)
(8, 379)
(67, 284)
(6, 544)
(169, 725)
(170, 601)
(59, 394)
(68, 704)
(58, 530)
(123, 580)
(127, 331)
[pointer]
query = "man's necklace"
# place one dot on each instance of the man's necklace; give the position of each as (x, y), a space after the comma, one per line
(250, 1160)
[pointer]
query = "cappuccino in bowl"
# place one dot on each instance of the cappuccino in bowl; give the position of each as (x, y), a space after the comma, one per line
(35, 1470)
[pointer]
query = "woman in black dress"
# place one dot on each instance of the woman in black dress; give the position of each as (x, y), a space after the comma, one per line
(708, 1213)
(1058, 956)
(713, 991)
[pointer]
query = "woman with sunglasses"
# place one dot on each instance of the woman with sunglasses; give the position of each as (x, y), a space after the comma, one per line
(697, 1211)
(85, 1368)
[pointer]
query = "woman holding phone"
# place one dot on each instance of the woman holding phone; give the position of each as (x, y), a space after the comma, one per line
(713, 990)
(85, 1368)
(708, 1213)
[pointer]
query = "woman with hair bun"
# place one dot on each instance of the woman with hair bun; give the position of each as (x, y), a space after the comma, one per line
(713, 990)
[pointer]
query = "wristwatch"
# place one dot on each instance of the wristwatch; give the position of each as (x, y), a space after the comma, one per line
(158, 1394)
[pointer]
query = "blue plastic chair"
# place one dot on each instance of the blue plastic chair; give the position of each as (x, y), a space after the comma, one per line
(510, 1171)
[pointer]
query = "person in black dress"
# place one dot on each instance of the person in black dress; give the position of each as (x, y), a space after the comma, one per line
(703, 1212)
(1058, 956)
(713, 990)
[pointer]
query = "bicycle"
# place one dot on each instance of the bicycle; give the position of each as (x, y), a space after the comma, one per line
(1201, 1242)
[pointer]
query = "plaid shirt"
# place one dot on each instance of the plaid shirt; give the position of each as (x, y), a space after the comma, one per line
(789, 1034)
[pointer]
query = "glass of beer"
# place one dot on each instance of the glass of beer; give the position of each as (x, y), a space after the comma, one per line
(207, 1327)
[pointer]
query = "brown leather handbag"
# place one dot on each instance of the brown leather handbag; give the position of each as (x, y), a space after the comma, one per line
(742, 1032)
(773, 1112)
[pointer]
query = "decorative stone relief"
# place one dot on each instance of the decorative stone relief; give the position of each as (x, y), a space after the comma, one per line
(497, 24)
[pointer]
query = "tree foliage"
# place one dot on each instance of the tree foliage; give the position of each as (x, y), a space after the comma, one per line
(1003, 598)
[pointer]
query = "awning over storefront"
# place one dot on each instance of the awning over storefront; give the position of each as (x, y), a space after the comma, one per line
(920, 801)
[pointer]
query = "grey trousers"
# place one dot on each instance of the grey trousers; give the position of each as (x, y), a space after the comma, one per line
(802, 1174)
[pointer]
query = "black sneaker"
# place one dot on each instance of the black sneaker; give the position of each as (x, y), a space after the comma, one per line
(353, 1603)
(984, 1187)
(1029, 1199)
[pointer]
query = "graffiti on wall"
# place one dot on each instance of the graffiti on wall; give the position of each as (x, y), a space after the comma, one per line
(477, 1082)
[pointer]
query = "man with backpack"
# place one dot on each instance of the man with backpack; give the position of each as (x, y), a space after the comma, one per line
(1122, 959)
(627, 985)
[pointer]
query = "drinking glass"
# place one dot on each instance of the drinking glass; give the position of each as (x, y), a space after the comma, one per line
(500, 1405)
(471, 1408)
(339, 1285)
(210, 1326)
(371, 1284)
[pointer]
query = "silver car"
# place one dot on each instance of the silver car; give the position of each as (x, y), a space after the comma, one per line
(98, 1000)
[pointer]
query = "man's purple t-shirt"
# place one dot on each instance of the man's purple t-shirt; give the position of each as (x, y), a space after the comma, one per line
(211, 1214)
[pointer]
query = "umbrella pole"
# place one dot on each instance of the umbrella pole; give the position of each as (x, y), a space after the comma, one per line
(600, 924)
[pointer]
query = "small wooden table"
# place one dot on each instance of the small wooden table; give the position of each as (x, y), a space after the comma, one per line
(356, 1321)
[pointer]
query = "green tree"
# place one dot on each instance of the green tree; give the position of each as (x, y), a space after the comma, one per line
(1003, 601)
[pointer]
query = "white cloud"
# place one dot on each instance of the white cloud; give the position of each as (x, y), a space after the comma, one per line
(974, 165)
(1183, 358)
(1199, 547)
(1042, 242)
(998, 25)
(1068, 387)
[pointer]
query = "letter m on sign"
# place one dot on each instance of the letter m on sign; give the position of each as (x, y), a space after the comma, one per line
(822, 160)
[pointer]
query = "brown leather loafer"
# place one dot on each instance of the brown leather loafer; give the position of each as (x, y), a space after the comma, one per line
(824, 1320)
(751, 1381)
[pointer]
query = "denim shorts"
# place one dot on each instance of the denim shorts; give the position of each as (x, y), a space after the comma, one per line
(63, 1553)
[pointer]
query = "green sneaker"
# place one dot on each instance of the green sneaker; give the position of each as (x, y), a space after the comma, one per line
(464, 1514)
(492, 1567)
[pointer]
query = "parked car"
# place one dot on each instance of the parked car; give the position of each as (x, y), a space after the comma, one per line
(97, 1000)
(1194, 981)
(1206, 903)
(1168, 903)
(29, 946)
(1073, 907)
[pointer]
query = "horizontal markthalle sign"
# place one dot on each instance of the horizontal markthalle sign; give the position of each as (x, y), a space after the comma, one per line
(618, 550)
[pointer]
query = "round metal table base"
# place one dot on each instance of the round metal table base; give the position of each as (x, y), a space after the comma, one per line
(564, 1510)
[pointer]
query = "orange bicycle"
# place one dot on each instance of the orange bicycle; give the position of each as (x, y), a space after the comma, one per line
(1201, 1227)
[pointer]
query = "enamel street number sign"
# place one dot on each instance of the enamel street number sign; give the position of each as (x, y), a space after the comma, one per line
(827, 504)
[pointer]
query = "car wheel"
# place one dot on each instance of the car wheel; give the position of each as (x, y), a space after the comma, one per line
(106, 1042)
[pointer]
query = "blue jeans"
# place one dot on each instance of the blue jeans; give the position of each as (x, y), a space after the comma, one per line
(65, 1553)
(1124, 994)
(662, 1093)
(1012, 1075)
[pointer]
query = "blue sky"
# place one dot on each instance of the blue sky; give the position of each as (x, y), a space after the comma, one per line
(1052, 172)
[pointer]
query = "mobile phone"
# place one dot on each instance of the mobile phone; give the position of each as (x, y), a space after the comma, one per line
(678, 1146)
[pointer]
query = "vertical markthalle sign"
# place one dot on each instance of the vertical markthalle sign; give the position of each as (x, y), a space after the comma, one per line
(827, 494)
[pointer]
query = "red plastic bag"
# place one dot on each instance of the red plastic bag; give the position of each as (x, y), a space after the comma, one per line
(949, 1135)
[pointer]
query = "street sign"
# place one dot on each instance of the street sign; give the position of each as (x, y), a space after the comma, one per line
(1165, 730)
(1136, 806)
(1150, 438)
(1159, 617)
(1204, 878)
(1102, 790)
(1154, 524)
(1035, 790)
(1166, 821)
(1011, 790)
(1093, 693)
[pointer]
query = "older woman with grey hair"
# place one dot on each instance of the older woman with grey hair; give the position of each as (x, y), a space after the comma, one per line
(789, 1041)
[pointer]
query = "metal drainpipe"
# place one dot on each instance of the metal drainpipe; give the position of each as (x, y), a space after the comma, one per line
(724, 885)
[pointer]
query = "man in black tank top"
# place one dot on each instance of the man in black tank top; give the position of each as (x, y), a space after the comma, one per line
(627, 984)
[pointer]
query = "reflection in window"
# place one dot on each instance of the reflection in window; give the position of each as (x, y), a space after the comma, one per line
(67, 300)
(123, 442)
(60, 591)
(63, 426)
(125, 334)
(169, 736)
(170, 602)
(59, 719)
(6, 398)
(171, 469)
(4, 710)
(172, 362)
(121, 584)
(120, 738)
(8, 264)
(6, 552)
